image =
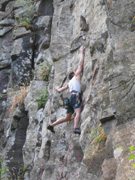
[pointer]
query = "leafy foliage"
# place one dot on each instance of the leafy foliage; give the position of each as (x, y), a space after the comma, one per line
(131, 148)
(43, 98)
(25, 18)
(25, 22)
(3, 170)
(45, 72)
(119, 147)
(132, 156)
(5, 174)
(21, 172)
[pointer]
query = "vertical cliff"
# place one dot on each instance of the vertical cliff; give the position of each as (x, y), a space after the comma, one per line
(40, 43)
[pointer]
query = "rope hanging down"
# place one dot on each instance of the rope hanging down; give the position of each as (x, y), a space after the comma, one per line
(60, 175)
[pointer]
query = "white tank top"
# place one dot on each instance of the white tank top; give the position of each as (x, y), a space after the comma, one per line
(74, 85)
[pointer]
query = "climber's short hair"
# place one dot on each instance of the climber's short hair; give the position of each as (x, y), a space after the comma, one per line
(71, 74)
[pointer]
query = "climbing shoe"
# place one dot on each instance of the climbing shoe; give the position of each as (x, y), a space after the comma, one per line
(51, 128)
(77, 131)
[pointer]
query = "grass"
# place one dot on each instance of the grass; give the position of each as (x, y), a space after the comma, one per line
(18, 98)
(133, 20)
(101, 137)
(98, 138)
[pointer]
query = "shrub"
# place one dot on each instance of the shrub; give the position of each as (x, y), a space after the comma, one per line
(25, 18)
(3, 170)
(6, 174)
(132, 156)
(45, 72)
(21, 172)
(25, 22)
(42, 99)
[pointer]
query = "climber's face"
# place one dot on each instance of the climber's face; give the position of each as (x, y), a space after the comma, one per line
(71, 75)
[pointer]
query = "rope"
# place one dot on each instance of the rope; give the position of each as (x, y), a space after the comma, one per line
(60, 175)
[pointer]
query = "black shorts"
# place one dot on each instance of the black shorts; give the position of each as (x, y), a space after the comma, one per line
(75, 102)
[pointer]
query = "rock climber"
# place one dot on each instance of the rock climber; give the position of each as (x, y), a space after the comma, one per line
(74, 99)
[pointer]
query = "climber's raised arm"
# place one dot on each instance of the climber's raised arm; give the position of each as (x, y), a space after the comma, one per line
(80, 67)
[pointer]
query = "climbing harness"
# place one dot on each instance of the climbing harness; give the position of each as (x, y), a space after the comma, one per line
(65, 160)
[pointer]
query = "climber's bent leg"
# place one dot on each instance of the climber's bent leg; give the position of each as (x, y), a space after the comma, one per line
(62, 120)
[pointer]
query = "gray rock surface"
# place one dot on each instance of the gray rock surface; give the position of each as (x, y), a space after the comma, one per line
(61, 30)
(107, 123)
(20, 32)
(5, 30)
(7, 22)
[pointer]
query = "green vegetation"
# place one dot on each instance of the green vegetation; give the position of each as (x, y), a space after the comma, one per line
(21, 172)
(119, 147)
(97, 138)
(3, 170)
(24, 19)
(95, 151)
(100, 135)
(132, 156)
(5, 174)
(42, 99)
(133, 20)
(130, 149)
(25, 22)
(45, 71)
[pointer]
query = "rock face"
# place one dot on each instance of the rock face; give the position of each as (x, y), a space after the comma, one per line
(38, 48)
